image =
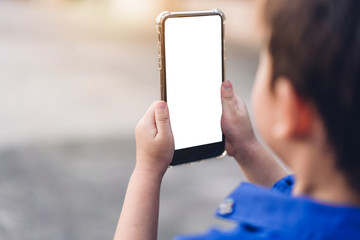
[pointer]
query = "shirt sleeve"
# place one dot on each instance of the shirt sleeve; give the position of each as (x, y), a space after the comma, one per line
(284, 185)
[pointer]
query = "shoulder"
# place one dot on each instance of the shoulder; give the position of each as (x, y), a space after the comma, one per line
(261, 213)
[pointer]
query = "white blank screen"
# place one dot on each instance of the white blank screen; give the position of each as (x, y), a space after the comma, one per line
(193, 59)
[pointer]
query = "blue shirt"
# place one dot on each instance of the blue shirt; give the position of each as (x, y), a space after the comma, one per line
(261, 213)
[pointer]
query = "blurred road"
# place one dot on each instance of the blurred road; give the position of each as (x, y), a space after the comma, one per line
(69, 100)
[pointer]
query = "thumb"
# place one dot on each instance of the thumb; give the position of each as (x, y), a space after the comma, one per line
(162, 118)
(228, 98)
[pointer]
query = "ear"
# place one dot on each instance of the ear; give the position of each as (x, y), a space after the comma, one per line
(294, 115)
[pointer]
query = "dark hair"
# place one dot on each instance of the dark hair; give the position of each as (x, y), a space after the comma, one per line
(316, 45)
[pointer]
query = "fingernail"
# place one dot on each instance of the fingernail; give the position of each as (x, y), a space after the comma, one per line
(161, 106)
(227, 85)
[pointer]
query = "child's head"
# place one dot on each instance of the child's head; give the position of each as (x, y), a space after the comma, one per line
(311, 66)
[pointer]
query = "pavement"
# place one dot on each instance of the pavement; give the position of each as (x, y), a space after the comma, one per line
(70, 97)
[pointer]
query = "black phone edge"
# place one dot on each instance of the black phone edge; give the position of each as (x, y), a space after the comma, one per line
(189, 155)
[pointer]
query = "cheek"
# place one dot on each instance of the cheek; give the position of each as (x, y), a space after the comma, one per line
(261, 100)
(259, 106)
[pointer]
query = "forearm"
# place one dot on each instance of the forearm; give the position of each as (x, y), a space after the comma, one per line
(139, 216)
(258, 164)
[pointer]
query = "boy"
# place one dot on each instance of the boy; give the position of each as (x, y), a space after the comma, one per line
(306, 104)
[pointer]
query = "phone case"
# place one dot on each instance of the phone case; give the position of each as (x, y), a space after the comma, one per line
(160, 20)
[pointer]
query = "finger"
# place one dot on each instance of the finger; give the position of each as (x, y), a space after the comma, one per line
(162, 118)
(150, 113)
(228, 98)
(148, 120)
(240, 104)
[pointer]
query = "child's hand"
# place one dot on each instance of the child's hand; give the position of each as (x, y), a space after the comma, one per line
(256, 162)
(235, 122)
(154, 151)
(154, 140)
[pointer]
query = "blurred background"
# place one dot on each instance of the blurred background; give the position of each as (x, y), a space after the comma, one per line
(76, 76)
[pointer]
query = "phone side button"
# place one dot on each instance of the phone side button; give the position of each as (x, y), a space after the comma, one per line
(159, 49)
(159, 63)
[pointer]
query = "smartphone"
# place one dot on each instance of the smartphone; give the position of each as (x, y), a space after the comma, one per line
(191, 64)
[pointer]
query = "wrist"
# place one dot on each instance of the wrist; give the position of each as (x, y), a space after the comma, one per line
(248, 149)
(149, 172)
